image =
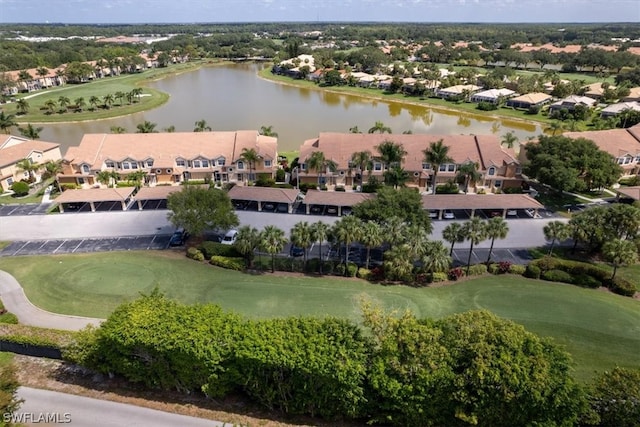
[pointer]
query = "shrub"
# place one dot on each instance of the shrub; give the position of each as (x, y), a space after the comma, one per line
(372, 185)
(280, 175)
(455, 273)
(364, 273)
(323, 187)
(20, 188)
(195, 254)
(9, 318)
(532, 271)
(621, 286)
(448, 188)
(210, 249)
(503, 267)
(305, 186)
(439, 277)
(487, 106)
(493, 268)
(533, 110)
(557, 276)
(340, 188)
(352, 269)
(586, 281)
(264, 181)
(477, 270)
(230, 263)
(339, 270)
(517, 269)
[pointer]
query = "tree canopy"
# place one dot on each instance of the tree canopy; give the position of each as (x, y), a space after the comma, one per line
(200, 209)
(404, 203)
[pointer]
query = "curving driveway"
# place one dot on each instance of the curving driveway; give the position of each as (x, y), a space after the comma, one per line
(16, 302)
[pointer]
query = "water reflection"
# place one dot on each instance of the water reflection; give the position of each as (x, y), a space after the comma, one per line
(233, 97)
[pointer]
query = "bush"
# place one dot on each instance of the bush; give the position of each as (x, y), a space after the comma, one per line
(372, 185)
(195, 254)
(339, 270)
(477, 270)
(280, 175)
(504, 267)
(364, 273)
(557, 276)
(210, 249)
(621, 286)
(438, 277)
(352, 269)
(306, 186)
(340, 188)
(448, 188)
(533, 110)
(493, 268)
(487, 106)
(586, 281)
(9, 318)
(323, 187)
(264, 181)
(455, 273)
(20, 188)
(230, 263)
(517, 269)
(532, 271)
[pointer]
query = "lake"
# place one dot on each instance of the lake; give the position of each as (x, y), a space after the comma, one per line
(233, 97)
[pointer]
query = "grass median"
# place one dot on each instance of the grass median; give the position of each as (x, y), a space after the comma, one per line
(600, 329)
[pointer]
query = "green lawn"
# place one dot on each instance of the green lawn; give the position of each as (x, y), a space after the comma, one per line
(600, 329)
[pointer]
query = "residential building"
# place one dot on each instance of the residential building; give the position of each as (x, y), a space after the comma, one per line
(596, 90)
(14, 149)
(457, 91)
(634, 95)
(492, 95)
(570, 103)
(170, 158)
(497, 165)
(536, 99)
(615, 109)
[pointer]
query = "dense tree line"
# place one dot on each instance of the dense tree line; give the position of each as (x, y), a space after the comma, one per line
(467, 369)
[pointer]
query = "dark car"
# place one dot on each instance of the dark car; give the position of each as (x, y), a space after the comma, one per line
(178, 238)
(296, 251)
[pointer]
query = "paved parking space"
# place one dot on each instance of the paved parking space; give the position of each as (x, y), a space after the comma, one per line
(25, 209)
(152, 204)
(514, 256)
(66, 246)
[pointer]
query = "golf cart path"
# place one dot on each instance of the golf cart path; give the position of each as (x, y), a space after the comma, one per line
(16, 302)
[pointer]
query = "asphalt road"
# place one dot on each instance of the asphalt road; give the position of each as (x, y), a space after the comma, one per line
(68, 409)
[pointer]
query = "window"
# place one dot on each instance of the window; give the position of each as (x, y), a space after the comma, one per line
(196, 163)
(9, 181)
(377, 166)
(109, 164)
(426, 166)
(303, 166)
(134, 165)
(180, 162)
(125, 165)
(205, 163)
(150, 163)
(267, 163)
(451, 167)
(85, 169)
(497, 184)
(491, 171)
(443, 168)
(620, 160)
(240, 164)
(221, 161)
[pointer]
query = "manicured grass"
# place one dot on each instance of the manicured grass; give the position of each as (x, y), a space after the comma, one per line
(5, 359)
(600, 329)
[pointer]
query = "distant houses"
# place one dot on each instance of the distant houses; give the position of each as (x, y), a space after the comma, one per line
(14, 150)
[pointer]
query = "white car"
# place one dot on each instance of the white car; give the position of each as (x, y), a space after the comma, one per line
(230, 237)
(448, 215)
(512, 212)
(433, 214)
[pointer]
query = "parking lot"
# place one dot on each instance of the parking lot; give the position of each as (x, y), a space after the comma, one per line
(26, 209)
(68, 246)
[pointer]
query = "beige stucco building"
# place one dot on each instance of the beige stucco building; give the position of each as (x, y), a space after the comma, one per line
(14, 149)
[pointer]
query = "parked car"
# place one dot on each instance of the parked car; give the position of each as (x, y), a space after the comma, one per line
(296, 251)
(268, 207)
(230, 237)
(433, 214)
(178, 238)
(512, 212)
(448, 214)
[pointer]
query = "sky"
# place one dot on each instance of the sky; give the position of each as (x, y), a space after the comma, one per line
(190, 11)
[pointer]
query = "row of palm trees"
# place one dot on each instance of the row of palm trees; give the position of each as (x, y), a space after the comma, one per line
(409, 246)
(80, 103)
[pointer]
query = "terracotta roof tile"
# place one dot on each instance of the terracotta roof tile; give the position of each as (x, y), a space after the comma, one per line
(14, 153)
(95, 195)
(264, 194)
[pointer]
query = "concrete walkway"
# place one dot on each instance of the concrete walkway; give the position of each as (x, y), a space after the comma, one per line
(16, 302)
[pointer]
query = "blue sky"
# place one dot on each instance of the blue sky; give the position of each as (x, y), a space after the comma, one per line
(186, 11)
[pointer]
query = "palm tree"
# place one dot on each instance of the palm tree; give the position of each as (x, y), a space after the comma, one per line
(379, 127)
(93, 101)
(105, 177)
(201, 126)
(272, 240)
(301, 236)
(509, 139)
(398, 263)
(137, 92)
(394, 230)
(50, 105)
(362, 160)
(7, 122)
(416, 237)
(30, 131)
(63, 101)
(247, 241)
(268, 131)
(391, 154)
(80, 103)
(137, 177)
(435, 258)
(169, 129)
(348, 230)
(436, 155)
(453, 233)
(22, 106)
(107, 100)
(468, 173)
(27, 165)
(51, 169)
(555, 128)
(119, 95)
(146, 127)
(251, 156)
(555, 231)
(117, 129)
(497, 228)
(320, 164)
(620, 252)
(371, 237)
(42, 71)
(396, 177)
(475, 231)
(319, 233)
(354, 130)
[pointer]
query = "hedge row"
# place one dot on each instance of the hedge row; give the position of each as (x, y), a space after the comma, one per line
(31, 335)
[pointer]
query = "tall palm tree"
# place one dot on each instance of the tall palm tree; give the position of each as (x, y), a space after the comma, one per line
(201, 126)
(42, 71)
(468, 173)
(397, 263)
(394, 230)
(50, 105)
(620, 252)
(94, 101)
(555, 128)
(435, 258)
(251, 156)
(137, 177)
(247, 241)
(379, 127)
(268, 131)
(7, 122)
(475, 232)
(51, 170)
(509, 139)
(137, 92)
(319, 233)
(371, 237)
(107, 101)
(27, 165)
(119, 95)
(362, 160)
(22, 106)
(301, 236)
(30, 131)
(436, 155)
(272, 240)
(146, 127)
(319, 163)
(391, 154)
(416, 237)
(348, 230)
(497, 228)
(63, 101)
(117, 129)
(396, 177)
(80, 103)
(556, 231)
(453, 233)
(104, 177)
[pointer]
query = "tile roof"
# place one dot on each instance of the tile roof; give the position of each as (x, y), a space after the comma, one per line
(164, 148)
(532, 98)
(264, 194)
(617, 142)
(480, 201)
(335, 198)
(621, 106)
(632, 192)
(13, 151)
(95, 195)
